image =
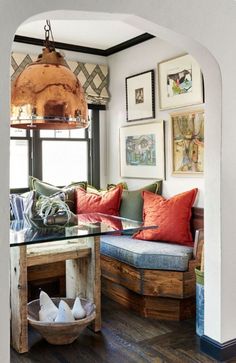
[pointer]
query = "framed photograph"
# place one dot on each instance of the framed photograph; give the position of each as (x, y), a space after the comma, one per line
(140, 98)
(188, 142)
(142, 151)
(180, 82)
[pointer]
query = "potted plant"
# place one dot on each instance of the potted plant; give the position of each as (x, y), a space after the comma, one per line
(200, 296)
(48, 212)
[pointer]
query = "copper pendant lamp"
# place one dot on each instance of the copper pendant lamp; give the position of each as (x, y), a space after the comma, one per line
(47, 94)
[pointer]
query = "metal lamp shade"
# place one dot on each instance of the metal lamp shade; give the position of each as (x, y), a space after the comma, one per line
(48, 95)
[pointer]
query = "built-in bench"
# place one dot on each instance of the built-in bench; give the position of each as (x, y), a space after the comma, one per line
(155, 279)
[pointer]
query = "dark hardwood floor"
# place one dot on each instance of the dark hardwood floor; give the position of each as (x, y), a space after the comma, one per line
(125, 338)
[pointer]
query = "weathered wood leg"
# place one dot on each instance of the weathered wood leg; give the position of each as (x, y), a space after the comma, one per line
(76, 277)
(19, 322)
(94, 280)
(83, 278)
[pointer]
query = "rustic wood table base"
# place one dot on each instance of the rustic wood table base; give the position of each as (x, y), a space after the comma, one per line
(83, 278)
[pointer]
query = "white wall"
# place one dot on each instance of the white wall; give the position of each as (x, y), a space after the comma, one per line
(137, 59)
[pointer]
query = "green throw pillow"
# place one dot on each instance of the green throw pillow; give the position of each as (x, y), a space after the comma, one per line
(92, 189)
(132, 201)
(49, 189)
(122, 184)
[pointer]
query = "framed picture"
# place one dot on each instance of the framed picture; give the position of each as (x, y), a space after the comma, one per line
(188, 142)
(180, 82)
(142, 151)
(140, 98)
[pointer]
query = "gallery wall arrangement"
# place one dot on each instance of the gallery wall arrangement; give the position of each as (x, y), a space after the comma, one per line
(142, 146)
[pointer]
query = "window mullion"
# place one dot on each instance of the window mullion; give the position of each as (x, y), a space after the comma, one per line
(95, 149)
(37, 155)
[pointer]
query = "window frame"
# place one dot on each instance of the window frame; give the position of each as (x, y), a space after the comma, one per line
(35, 142)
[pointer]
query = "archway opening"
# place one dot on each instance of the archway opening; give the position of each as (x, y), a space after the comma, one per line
(212, 109)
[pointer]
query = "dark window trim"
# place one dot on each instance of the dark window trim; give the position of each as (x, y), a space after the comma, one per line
(93, 106)
(95, 149)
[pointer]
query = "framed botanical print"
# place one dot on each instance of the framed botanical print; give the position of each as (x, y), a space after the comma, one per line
(140, 101)
(180, 82)
(142, 151)
(188, 142)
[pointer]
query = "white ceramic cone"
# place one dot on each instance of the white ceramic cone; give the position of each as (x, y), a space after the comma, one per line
(78, 310)
(64, 313)
(48, 310)
(89, 307)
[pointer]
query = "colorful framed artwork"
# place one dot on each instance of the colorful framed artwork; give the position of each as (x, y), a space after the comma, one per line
(142, 151)
(188, 142)
(140, 98)
(180, 82)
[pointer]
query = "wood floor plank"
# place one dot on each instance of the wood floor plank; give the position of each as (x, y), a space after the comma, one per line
(125, 338)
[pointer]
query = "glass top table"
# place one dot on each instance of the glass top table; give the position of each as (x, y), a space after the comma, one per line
(86, 225)
(78, 246)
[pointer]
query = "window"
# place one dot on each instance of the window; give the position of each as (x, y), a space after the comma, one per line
(19, 158)
(58, 157)
(68, 162)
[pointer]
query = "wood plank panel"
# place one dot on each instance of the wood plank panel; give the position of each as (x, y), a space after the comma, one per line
(150, 306)
(51, 257)
(19, 322)
(163, 283)
(197, 219)
(94, 278)
(76, 277)
(84, 278)
(123, 296)
(121, 273)
(149, 282)
(51, 270)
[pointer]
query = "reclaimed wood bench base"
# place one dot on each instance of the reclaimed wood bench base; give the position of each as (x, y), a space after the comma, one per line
(162, 308)
(160, 294)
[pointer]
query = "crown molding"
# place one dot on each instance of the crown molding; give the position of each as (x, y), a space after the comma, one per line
(81, 49)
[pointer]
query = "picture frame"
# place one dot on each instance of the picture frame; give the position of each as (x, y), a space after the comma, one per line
(142, 151)
(188, 142)
(180, 82)
(140, 96)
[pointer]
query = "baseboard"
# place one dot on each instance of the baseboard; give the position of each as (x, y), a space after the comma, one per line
(219, 351)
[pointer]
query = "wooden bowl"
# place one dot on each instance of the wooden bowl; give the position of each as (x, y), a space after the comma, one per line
(59, 333)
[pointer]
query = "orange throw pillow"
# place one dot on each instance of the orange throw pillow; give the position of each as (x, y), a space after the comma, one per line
(108, 203)
(172, 216)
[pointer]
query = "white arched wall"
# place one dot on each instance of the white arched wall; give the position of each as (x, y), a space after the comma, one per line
(202, 28)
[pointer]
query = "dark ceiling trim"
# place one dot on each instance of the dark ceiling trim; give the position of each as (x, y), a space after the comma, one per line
(129, 43)
(59, 45)
(80, 49)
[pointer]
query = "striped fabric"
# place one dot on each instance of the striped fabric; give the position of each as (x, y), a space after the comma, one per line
(17, 206)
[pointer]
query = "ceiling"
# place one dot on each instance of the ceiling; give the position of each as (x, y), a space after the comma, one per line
(100, 34)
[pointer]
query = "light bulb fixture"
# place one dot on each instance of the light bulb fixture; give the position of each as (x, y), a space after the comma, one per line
(47, 94)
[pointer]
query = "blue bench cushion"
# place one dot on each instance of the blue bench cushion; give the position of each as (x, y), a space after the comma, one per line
(147, 254)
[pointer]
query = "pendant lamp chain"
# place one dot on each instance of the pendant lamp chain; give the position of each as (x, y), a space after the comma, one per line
(48, 32)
